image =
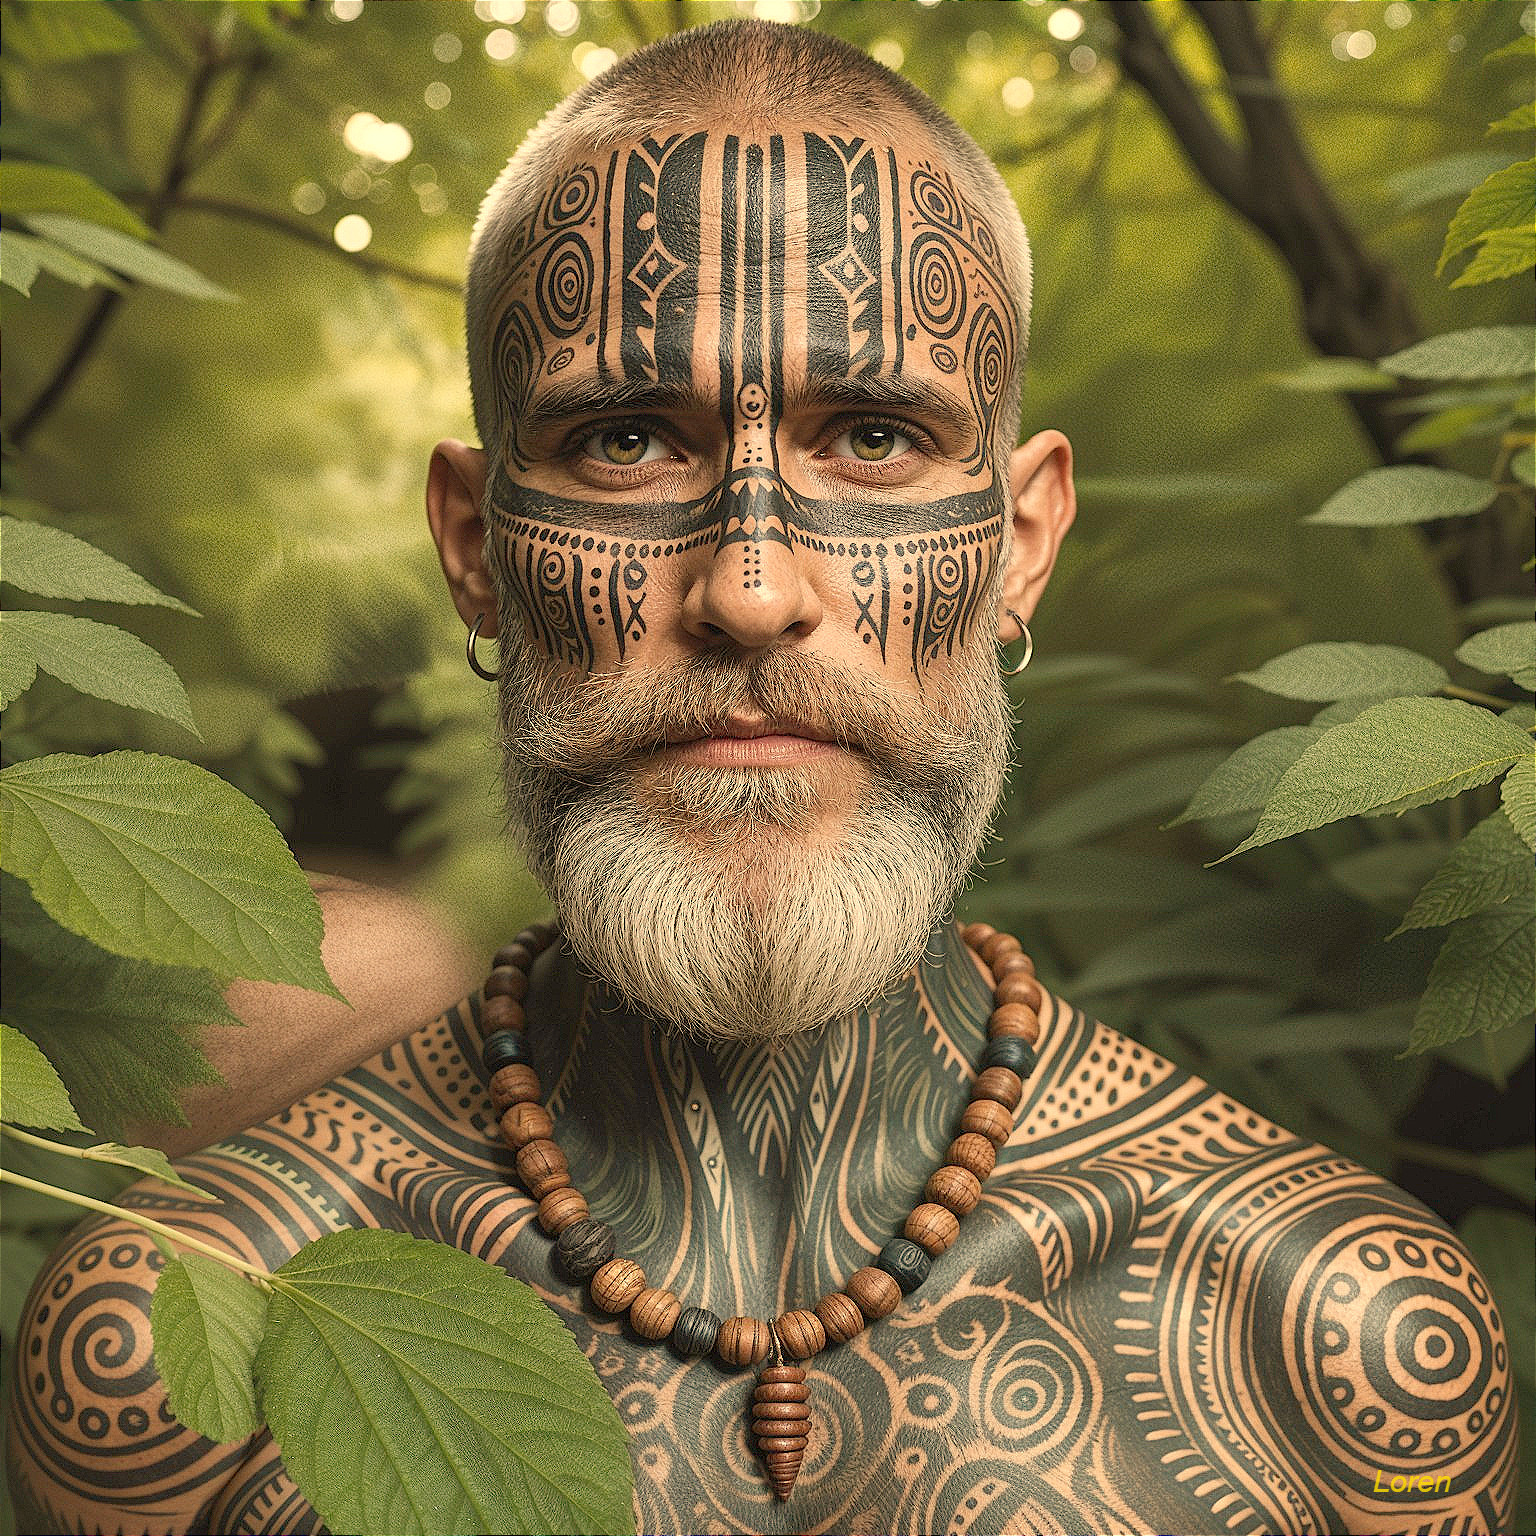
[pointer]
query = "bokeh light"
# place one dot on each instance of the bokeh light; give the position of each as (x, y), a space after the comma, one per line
(1398, 14)
(887, 51)
(1065, 23)
(366, 134)
(352, 232)
(562, 17)
(500, 44)
(1082, 59)
(308, 197)
(437, 95)
(446, 47)
(1018, 93)
(592, 60)
(346, 10)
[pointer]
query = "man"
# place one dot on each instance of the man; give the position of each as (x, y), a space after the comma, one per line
(747, 320)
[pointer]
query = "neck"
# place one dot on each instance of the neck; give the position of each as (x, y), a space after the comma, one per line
(751, 1177)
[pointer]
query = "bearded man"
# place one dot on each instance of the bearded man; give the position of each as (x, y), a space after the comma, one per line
(747, 322)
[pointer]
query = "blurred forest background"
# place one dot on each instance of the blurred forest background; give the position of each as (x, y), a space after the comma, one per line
(262, 458)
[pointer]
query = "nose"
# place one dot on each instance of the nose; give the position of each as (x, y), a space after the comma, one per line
(754, 592)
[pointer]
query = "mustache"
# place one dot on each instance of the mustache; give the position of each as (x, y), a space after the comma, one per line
(587, 731)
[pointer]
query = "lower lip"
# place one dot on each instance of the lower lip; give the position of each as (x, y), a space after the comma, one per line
(751, 751)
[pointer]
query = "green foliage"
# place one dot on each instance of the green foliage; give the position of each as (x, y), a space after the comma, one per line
(207, 1323)
(123, 254)
(28, 188)
(1488, 867)
(1507, 650)
(1482, 352)
(49, 562)
(1504, 202)
(518, 1435)
(31, 1091)
(1332, 670)
(1404, 493)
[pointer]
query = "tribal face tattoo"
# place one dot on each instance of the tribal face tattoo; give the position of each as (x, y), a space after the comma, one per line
(753, 361)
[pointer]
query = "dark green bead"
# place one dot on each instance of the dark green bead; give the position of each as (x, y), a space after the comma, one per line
(905, 1263)
(584, 1247)
(505, 1048)
(695, 1332)
(1011, 1052)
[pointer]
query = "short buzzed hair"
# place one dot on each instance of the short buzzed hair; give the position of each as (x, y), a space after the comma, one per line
(745, 72)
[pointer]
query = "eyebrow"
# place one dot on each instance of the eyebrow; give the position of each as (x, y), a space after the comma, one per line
(917, 397)
(562, 403)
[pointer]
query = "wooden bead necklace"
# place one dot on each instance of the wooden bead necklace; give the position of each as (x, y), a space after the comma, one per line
(781, 1418)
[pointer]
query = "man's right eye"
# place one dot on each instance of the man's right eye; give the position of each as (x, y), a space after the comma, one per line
(624, 445)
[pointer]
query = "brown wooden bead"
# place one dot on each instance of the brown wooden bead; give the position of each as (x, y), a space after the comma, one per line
(505, 981)
(523, 1123)
(781, 1392)
(617, 1284)
(1000, 1085)
(801, 1333)
(1016, 1020)
(542, 1167)
(501, 1013)
(518, 954)
(562, 1208)
(932, 1228)
(769, 1444)
(840, 1316)
(517, 1084)
(743, 1340)
(973, 1152)
(539, 936)
(988, 1118)
(778, 1410)
(998, 948)
(1012, 965)
(977, 934)
(874, 1292)
(781, 1438)
(1018, 988)
(957, 1189)
(653, 1312)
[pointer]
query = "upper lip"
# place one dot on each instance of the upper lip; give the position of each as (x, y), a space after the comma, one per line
(744, 727)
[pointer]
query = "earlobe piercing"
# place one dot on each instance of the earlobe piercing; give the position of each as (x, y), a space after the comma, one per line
(1024, 635)
(475, 665)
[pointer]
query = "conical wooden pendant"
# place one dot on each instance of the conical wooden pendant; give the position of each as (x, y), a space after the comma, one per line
(781, 1421)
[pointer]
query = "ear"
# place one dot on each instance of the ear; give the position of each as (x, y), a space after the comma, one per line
(455, 495)
(1044, 504)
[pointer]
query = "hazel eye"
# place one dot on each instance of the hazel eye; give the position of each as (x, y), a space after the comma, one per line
(624, 445)
(871, 442)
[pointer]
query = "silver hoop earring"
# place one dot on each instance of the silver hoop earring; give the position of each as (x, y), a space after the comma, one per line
(469, 652)
(1029, 645)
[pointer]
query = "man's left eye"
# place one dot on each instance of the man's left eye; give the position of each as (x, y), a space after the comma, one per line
(624, 446)
(871, 442)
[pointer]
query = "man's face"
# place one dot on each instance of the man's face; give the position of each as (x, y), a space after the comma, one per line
(748, 505)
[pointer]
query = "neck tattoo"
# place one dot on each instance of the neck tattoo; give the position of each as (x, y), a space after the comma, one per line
(781, 1418)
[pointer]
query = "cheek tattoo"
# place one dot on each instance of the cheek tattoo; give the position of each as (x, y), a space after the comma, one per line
(606, 282)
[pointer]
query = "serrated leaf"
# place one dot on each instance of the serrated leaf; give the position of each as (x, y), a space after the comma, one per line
(1119, 799)
(414, 1389)
(1483, 978)
(1399, 753)
(1404, 493)
(1506, 650)
(31, 1091)
(1506, 199)
(103, 661)
(1347, 709)
(28, 187)
(19, 265)
(18, 663)
(122, 1033)
(1503, 1243)
(158, 859)
(1245, 781)
(207, 1322)
(150, 1160)
(1329, 375)
(1480, 352)
(1487, 868)
(133, 258)
(52, 563)
(1518, 793)
(1521, 120)
(1502, 253)
(1341, 669)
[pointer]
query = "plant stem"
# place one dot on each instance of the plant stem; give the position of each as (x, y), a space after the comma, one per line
(1472, 696)
(69, 1197)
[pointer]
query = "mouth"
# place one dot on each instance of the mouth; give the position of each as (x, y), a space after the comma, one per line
(753, 741)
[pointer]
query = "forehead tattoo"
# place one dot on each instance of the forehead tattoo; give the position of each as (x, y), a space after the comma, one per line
(629, 274)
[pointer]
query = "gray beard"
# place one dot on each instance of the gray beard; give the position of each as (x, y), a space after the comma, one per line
(705, 903)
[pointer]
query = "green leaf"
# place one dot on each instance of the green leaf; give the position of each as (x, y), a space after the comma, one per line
(1388, 875)
(133, 258)
(1328, 375)
(1488, 867)
(1245, 781)
(51, 563)
(1119, 799)
(1503, 1243)
(1459, 424)
(18, 664)
(1483, 978)
(1518, 792)
(101, 660)
(1521, 120)
(158, 859)
(148, 1160)
(122, 1033)
(207, 1323)
(1503, 253)
(1506, 199)
(28, 187)
(1404, 493)
(31, 1092)
(1506, 650)
(59, 34)
(1401, 750)
(34, 255)
(1481, 352)
(1341, 669)
(19, 265)
(415, 1389)
(1450, 176)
